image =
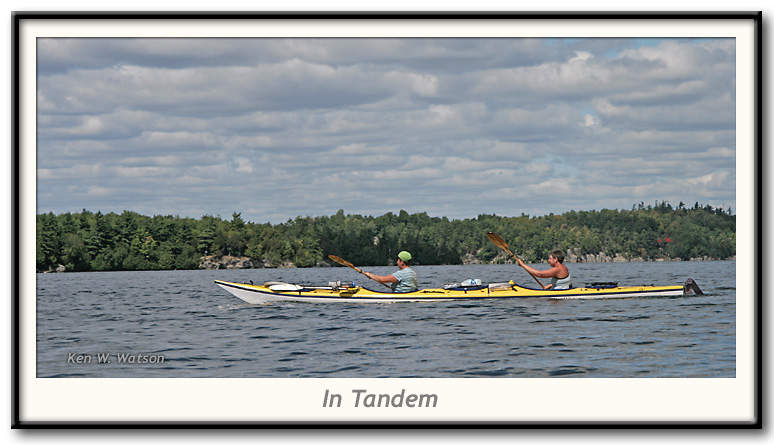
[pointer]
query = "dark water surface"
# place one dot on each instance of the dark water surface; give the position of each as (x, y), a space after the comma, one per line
(179, 324)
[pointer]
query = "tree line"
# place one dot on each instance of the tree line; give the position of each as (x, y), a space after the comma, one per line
(93, 241)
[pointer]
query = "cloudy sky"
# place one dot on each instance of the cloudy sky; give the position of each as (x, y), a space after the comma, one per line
(279, 128)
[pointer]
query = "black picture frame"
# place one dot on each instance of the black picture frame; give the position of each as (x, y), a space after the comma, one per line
(18, 401)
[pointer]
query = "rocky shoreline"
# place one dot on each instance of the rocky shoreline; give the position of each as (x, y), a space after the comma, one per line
(573, 256)
(216, 262)
(213, 262)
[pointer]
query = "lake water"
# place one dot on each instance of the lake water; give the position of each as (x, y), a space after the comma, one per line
(179, 324)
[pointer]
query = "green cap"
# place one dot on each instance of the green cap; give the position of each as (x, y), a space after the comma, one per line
(405, 256)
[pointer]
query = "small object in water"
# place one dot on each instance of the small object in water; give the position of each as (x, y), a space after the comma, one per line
(692, 287)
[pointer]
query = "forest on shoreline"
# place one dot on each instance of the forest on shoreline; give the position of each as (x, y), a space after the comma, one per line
(93, 241)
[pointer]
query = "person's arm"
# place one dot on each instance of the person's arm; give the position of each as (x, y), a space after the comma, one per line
(386, 279)
(549, 273)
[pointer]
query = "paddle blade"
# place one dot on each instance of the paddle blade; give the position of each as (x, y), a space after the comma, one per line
(344, 262)
(340, 260)
(498, 241)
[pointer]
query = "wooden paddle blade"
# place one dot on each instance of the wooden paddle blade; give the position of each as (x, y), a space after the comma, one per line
(343, 262)
(498, 241)
(340, 260)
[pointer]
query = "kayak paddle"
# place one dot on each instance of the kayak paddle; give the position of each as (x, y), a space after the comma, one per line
(498, 241)
(344, 262)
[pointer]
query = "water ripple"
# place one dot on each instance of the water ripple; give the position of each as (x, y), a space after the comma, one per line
(569, 370)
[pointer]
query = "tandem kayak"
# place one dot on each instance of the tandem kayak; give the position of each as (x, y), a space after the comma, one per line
(273, 291)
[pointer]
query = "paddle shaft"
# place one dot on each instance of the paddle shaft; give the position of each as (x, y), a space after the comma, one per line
(498, 241)
(344, 262)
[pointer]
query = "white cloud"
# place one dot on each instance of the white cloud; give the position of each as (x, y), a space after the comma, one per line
(243, 165)
(98, 191)
(581, 56)
(720, 152)
(142, 172)
(714, 179)
(590, 121)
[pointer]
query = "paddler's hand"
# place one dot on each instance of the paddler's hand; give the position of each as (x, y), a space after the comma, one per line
(519, 262)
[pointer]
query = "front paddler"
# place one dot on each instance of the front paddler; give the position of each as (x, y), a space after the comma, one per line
(402, 280)
(558, 273)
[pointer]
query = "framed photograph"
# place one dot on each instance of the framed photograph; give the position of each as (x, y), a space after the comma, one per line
(565, 208)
